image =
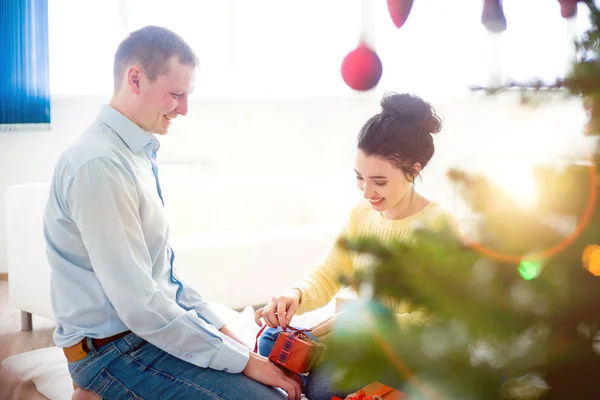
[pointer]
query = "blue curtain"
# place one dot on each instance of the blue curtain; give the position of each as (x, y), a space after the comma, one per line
(24, 75)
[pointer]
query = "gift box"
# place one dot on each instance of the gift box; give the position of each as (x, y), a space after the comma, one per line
(296, 352)
(377, 391)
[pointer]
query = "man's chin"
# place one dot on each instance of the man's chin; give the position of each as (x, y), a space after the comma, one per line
(161, 131)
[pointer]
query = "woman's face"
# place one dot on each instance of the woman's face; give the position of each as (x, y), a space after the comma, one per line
(384, 185)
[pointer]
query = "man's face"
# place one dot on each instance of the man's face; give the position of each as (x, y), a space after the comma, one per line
(161, 101)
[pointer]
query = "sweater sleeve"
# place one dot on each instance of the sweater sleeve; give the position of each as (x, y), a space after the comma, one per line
(322, 283)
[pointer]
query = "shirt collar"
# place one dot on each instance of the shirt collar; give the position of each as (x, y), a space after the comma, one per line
(134, 137)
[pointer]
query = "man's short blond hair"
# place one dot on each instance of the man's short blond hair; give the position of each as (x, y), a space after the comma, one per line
(152, 47)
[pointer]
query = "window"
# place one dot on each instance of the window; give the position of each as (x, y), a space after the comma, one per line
(24, 81)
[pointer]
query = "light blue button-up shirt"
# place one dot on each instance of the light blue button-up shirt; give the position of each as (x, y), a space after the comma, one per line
(107, 236)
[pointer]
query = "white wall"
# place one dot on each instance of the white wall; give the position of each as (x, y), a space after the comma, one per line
(287, 137)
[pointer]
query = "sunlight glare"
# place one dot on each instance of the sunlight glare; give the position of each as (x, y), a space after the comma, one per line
(517, 181)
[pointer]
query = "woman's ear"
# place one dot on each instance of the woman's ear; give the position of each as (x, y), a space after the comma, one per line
(415, 170)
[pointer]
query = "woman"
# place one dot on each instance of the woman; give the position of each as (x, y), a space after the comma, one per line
(393, 148)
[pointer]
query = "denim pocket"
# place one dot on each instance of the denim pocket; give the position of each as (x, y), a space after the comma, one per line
(110, 388)
(83, 370)
(137, 350)
(77, 366)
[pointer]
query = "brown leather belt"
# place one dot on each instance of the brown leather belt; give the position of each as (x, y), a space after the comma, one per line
(80, 350)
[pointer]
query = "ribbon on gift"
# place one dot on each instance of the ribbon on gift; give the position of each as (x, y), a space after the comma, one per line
(296, 332)
(257, 336)
(288, 345)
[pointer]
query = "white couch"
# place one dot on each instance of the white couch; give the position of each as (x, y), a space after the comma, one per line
(238, 240)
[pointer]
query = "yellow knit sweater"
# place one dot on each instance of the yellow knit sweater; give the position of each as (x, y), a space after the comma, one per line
(320, 285)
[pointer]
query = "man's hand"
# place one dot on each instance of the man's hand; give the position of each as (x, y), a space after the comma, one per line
(280, 310)
(228, 332)
(264, 371)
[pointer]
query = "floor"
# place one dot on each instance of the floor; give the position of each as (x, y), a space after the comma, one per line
(14, 341)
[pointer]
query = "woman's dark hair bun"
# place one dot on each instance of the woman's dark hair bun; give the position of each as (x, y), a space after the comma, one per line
(412, 110)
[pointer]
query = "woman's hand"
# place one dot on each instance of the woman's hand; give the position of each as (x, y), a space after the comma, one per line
(280, 310)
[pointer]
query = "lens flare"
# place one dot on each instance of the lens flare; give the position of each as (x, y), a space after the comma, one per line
(530, 269)
(551, 251)
(591, 259)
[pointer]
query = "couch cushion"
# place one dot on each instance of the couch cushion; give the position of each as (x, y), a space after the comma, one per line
(29, 283)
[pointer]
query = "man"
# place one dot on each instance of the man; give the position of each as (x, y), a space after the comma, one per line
(128, 326)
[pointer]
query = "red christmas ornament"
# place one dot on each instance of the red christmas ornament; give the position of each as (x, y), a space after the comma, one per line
(568, 8)
(492, 16)
(361, 68)
(399, 10)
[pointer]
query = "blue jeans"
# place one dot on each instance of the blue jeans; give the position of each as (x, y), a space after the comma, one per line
(131, 368)
(318, 383)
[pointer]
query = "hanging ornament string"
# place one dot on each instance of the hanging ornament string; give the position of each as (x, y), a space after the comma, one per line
(494, 21)
(366, 34)
(570, 18)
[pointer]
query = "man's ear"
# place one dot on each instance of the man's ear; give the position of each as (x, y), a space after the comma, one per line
(134, 75)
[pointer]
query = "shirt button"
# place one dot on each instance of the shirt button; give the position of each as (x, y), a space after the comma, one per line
(188, 355)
